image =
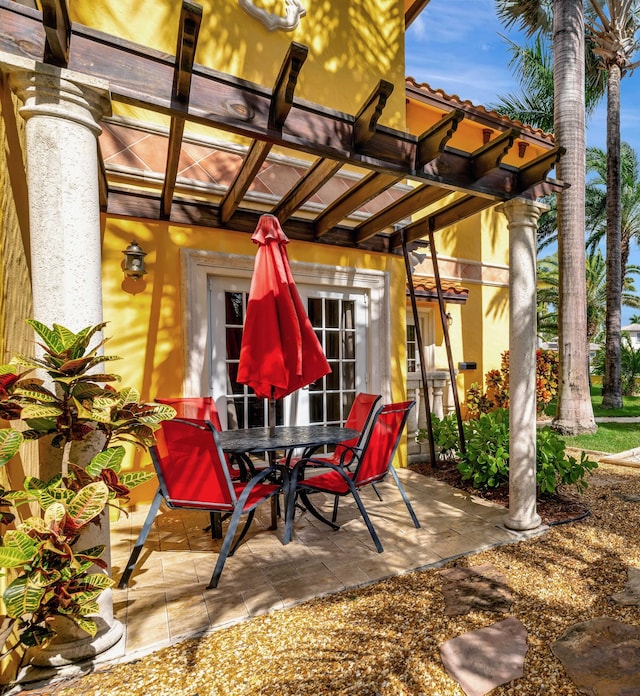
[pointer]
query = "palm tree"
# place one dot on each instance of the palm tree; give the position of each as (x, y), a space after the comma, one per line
(614, 35)
(565, 19)
(596, 285)
(596, 199)
(634, 319)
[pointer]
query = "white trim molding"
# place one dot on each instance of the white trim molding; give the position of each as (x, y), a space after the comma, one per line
(294, 11)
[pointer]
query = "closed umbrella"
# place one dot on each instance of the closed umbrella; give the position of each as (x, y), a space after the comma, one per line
(280, 351)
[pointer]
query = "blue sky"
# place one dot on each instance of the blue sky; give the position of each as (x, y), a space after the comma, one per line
(455, 45)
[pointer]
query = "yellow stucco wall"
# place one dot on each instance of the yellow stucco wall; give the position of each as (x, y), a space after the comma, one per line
(352, 45)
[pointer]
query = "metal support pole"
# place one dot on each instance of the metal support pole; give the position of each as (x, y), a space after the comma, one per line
(423, 371)
(447, 340)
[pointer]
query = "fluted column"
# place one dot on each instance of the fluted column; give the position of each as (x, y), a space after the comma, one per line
(62, 110)
(522, 216)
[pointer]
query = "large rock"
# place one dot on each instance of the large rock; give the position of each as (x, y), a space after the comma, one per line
(630, 596)
(483, 659)
(476, 588)
(602, 657)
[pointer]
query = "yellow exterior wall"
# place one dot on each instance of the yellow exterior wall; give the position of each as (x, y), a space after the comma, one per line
(352, 45)
(145, 320)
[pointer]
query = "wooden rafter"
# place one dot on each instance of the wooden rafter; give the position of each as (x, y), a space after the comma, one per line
(448, 215)
(279, 108)
(190, 20)
(432, 142)
(318, 174)
(366, 189)
(405, 207)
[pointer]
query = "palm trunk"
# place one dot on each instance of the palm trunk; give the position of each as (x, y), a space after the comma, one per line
(574, 412)
(612, 382)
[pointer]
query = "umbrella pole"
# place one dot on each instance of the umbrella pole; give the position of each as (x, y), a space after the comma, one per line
(272, 415)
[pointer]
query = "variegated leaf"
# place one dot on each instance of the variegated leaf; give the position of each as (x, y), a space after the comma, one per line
(33, 483)
(51, 337)
(20, 539)
(85, 596)
(96, 581)
(129, 395)
(54, 514)
(22, 597)
(88, 503)
(86, 625)
(92, 553)
(41, 578)
(12, 557)
(10, 441)
(66, 336)
(131, 479)
(159, 413)
(34, 390)
(111, 458)
(40, 411)
(35, 523)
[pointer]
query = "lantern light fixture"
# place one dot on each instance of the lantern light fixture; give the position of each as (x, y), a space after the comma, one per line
(449, 318)
(134, 265)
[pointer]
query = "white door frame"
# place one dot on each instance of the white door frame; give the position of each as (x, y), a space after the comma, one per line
(197, 265)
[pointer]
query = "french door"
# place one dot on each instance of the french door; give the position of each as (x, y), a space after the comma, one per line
(340, 319)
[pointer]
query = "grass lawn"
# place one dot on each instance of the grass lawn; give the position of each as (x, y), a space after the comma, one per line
(611, 437)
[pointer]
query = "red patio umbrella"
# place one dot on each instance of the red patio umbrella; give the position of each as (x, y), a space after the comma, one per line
(280, 352)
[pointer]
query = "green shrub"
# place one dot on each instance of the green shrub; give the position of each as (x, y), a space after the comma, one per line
(486, 460)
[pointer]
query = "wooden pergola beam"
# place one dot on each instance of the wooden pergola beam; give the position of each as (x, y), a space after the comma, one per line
(367, 188)
(317, 176)
(450, 214)
(405, 207)
(57, 27)
(432, 142)
(190, 20)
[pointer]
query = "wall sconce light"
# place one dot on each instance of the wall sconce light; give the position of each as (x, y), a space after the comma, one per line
(134, 266)
(416, 258)
(449, 318)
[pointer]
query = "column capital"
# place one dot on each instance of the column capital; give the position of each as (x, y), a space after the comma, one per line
(522, 210)
(46, 90)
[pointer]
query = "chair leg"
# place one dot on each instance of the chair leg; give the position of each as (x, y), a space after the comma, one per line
(314, 511)
(243, 533)
(226, 546)
(142, 537)
(334, 514)
(373, 485)
(405, 497)
(366, 519)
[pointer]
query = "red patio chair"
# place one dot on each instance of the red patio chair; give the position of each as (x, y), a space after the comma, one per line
(192, 475)
(370, 466)
(359, 418)
(203, 408)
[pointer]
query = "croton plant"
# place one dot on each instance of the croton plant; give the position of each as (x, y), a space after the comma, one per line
(49, 576)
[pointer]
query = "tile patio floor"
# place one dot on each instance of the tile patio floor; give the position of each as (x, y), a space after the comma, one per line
(167, 600)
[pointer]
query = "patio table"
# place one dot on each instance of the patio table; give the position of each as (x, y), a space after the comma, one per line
(310, 438)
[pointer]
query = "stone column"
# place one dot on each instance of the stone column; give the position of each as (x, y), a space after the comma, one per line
(522, 216)
(62, 110)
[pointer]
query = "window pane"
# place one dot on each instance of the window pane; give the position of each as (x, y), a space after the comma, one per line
(348, 375)
(234, 341)
(315, 311)
(233, 308)
(333, 379)
(315, 408)
(332, 346)
(349, 346)
(333, 314)
(347, 315)
(333, 408)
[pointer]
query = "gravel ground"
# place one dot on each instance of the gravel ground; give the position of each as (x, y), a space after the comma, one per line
(384, 639)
